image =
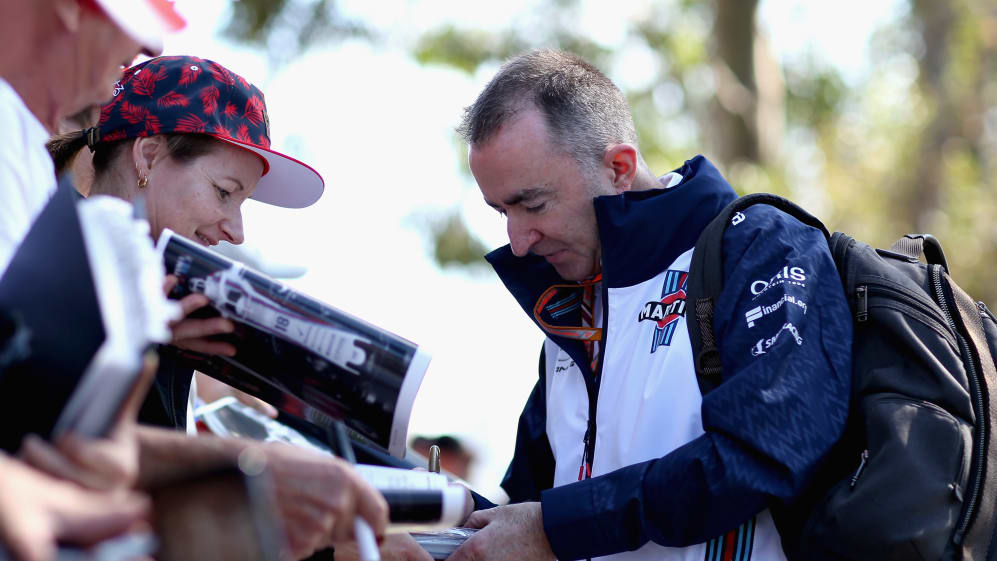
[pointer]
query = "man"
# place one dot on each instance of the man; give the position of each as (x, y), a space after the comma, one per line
(42, 36)
(618, 453)
(67, 52)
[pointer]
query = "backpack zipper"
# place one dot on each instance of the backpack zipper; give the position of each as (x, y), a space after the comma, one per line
(979, 435)
(873, 289)
(862, 298)
(985, 311)
(858, 472)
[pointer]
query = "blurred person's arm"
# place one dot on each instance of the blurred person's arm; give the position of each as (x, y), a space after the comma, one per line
(106, 463)
(318, 496)
(209, 389)
(38, 511)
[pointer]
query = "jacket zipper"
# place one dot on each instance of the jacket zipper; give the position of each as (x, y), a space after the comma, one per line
(592, 385)
(979, 435)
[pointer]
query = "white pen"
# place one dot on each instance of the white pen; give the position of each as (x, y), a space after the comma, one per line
(362, 532)
(366, 542)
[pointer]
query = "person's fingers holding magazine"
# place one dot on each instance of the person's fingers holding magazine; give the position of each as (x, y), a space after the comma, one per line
(319, 498)
(194, 334)
(106, 463)
(38, 511)
(509, 532)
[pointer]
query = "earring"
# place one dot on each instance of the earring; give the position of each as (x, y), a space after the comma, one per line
(143, 182)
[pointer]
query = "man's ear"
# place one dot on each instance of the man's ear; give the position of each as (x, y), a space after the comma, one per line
(148, 151)
(69, 13)
(621, 160)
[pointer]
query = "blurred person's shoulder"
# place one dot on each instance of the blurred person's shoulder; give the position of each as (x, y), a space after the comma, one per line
(27, 175)
(18, 122)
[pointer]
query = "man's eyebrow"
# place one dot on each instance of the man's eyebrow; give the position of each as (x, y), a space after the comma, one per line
(525, 195)
(520, 196)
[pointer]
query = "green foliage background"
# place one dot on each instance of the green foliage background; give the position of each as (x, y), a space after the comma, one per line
(912, 147)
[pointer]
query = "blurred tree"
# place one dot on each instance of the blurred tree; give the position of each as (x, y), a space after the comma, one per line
(911, 145)
(914, 147)
(454, 244)
(287, 27)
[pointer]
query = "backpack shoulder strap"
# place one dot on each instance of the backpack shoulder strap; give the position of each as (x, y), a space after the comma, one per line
(979, 535)
(706, 281)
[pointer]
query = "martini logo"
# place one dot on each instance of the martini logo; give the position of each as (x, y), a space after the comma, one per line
(666, 312)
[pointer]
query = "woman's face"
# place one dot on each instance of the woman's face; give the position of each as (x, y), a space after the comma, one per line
(200, 199)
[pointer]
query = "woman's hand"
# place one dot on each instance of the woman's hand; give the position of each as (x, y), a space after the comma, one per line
(193, 334)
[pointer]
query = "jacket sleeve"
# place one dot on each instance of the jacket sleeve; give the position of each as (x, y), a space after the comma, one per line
(784, 332)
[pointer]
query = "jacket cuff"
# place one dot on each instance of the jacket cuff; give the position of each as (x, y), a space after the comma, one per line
(570, 523)
(481, 503)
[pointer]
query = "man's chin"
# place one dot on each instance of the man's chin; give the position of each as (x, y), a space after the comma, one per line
(571, 271)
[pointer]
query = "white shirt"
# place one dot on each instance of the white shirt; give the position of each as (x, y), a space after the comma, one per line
(27, 175)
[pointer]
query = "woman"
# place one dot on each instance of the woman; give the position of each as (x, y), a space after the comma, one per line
(192, 139)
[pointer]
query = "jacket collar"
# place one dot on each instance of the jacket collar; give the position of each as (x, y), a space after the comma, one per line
(641, 233)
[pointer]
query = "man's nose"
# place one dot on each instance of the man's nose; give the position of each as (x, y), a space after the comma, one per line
(522, 238)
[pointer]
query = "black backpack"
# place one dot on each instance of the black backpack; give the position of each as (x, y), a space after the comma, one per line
(914, 475)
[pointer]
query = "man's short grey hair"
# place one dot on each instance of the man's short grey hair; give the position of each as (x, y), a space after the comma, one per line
(584, 110)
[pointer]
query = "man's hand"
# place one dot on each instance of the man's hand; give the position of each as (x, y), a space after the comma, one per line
(395, 547)
(193, 334)
(510, 532)
(37, 511)
(101, 463)
(319, 497)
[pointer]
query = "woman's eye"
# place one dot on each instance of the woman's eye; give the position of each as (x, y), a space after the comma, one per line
(537, 208)
(222, 193)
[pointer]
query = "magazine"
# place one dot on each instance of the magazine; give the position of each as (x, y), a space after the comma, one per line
(301, 355)
(84, 294)
(417, 499)
(441, 544)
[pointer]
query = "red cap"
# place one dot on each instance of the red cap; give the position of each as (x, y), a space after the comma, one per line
(181, 94)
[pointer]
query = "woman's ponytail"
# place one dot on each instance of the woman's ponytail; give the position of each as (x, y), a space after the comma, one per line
(64, 147)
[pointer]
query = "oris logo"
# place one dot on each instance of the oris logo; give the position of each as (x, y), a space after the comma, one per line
(787, 275)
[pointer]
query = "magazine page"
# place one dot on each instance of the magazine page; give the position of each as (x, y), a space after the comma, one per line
(299, 354)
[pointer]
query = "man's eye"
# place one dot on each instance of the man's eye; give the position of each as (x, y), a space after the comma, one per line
(536, 208)
(222, 193)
